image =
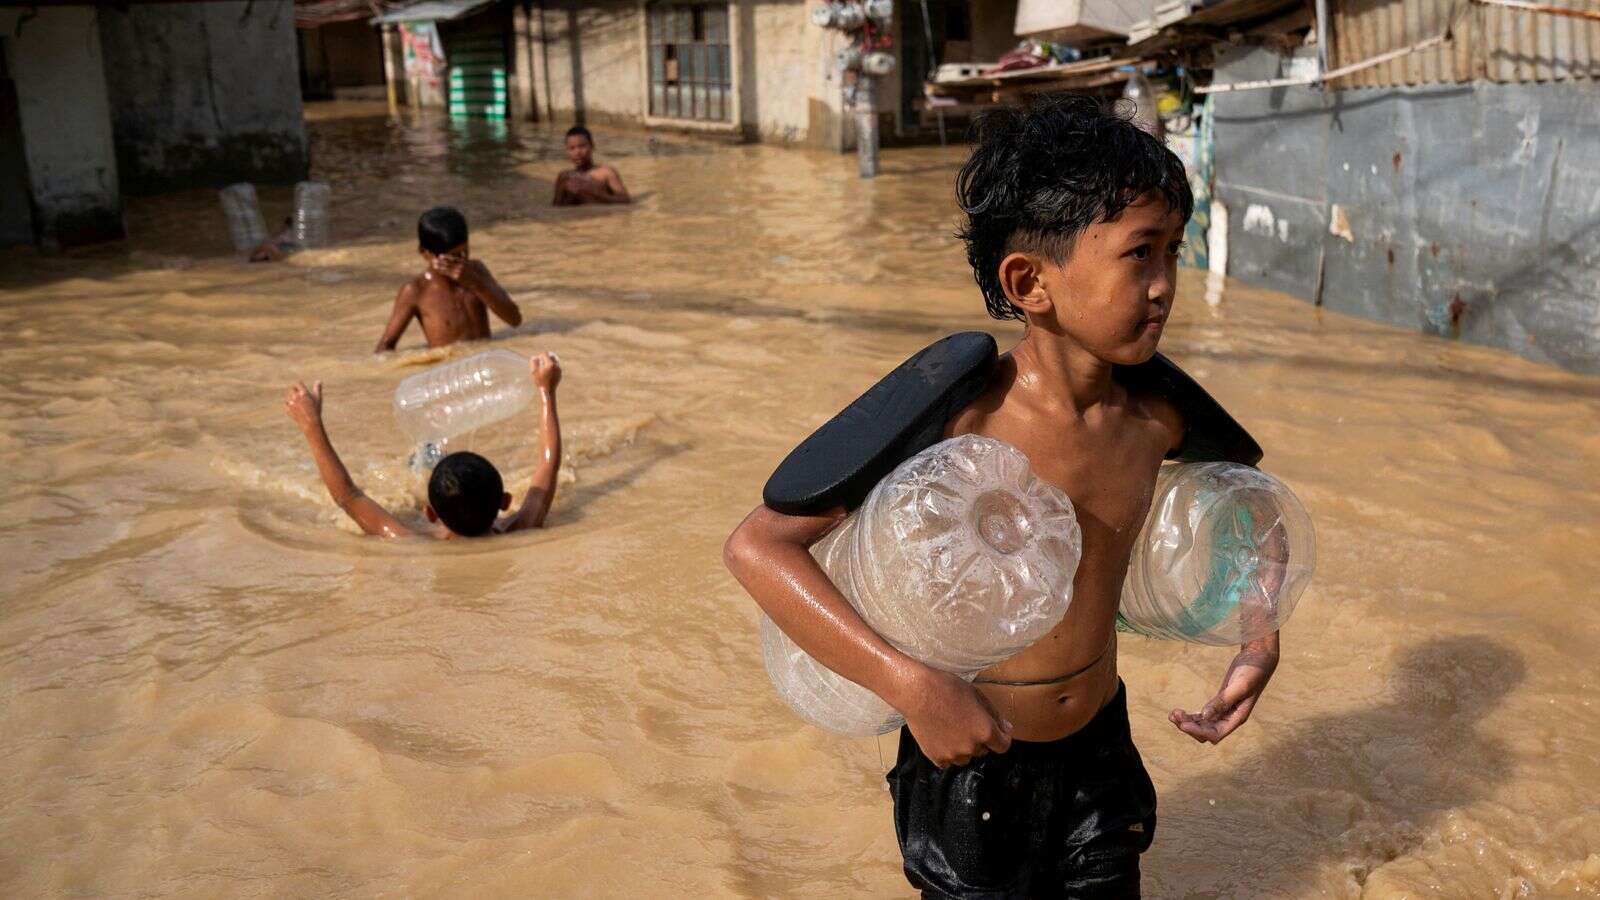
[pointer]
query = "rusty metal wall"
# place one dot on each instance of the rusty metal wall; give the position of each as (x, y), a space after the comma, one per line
(1489, 42)
(1462, 210)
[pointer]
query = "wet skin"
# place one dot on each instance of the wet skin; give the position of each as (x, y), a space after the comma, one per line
(1053, 398)
(452, 299)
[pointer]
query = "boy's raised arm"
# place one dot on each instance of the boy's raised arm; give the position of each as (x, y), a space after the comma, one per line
(304, 406)
(546, 371)
(768, 553)
(480, 282)
(405, 309)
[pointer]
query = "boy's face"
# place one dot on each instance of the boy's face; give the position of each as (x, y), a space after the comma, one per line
(579, 150)
(459, 252)
(1114, 292)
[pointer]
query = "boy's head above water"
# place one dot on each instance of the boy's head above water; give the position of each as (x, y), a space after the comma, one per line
(1074, 220)
(442, 231)
(466, 493)
(580, 146)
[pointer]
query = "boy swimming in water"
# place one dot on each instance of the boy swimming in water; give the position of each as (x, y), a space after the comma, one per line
(587, 181)
(1026, 782)
(465, 492)
(453, 296)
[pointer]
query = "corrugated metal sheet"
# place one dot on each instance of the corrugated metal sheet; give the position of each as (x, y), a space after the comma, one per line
(1496, 43)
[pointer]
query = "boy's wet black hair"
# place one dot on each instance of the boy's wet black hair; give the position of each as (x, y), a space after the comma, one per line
(441, 229)
(465, 492)
(580, 131)
(1042, 173)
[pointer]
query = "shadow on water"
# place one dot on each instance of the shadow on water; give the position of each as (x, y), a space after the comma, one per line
(1366, 785)
(573, 499)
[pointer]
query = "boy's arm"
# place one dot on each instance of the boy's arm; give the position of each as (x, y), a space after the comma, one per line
(1242, 684)
(617, 193)
(768, 554)
(546, 374)
(476, 278)
(405, 308)
(305, 408)
(1253, 665)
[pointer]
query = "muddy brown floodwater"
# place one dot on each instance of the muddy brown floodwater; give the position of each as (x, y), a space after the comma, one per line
(210, 685)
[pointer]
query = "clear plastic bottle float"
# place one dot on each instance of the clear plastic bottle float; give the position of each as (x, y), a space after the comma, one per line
(246, 228)
(311, 200)
(456, 397)
(1223, 557)
(960, 558)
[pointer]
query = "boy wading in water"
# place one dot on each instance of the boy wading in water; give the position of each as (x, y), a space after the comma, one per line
(587, 181)
(465, 492)
(453, 296)
(1026, 782)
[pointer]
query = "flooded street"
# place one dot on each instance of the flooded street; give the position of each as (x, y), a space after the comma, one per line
(211, 685)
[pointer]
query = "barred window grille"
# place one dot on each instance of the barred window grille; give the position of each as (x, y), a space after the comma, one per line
(690, 71)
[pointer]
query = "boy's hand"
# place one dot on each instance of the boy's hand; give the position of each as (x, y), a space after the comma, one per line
(1242, 685)
(546, 370)
(449, 266)
(304, 405)
(951, 721)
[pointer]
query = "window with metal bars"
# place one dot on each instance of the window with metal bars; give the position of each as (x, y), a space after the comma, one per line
(690, 66)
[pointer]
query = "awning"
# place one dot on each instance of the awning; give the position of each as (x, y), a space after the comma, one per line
(432, 11)
(317, 13)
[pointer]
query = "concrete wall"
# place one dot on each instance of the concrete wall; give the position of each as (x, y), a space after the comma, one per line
(204, 93)
(1470, 210)
(54, 60)
(587, 57)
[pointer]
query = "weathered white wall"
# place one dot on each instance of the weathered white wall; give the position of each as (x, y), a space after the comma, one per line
(588, 55)
(55, 61)
(204, 93)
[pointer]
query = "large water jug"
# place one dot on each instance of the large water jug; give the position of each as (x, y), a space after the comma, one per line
(1223, 557)
(960, 558)
(245, 225)
(459, 396)
(311, 213)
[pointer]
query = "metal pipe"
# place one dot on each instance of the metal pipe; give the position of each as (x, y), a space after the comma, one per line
(866, 126)
(933, 64)
(1543, 8)
(1322, 36)
(1327, 76)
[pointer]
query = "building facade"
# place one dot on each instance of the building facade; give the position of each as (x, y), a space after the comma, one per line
(751, 70)
(99, 100)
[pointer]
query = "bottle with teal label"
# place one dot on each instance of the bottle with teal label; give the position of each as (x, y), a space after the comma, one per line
(1223, 557)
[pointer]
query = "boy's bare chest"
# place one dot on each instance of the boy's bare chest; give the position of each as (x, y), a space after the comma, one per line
(1108, 470)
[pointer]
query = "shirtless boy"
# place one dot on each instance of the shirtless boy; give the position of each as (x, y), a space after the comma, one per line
(587, 181)
(454, 294)
(1026, 783)
(465, 493)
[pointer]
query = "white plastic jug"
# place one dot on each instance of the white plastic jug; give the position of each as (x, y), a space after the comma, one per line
(960, 558)
(456, 397)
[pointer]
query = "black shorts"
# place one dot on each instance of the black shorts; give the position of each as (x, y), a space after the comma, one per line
(1066, 818)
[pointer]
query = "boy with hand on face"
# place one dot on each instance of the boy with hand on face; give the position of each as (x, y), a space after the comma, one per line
(1025, 782)
(454, 294)
(465, 493)
(587, 181)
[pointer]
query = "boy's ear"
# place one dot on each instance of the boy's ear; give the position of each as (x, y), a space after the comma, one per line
(427, 509)
(505, 501)
(1022, 279)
